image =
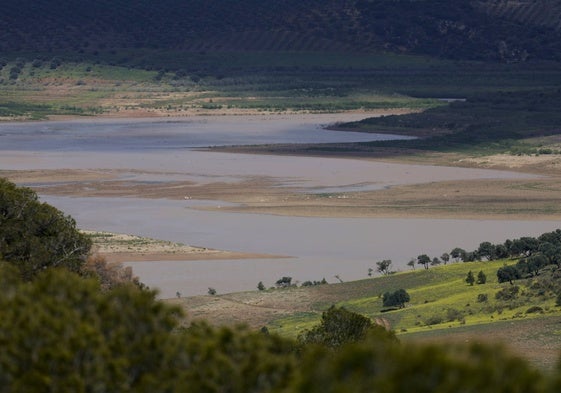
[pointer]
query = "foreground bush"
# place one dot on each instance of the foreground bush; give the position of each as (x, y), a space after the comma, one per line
(35, 236)
(62, 333)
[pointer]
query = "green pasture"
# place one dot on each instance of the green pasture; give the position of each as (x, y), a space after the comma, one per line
(440, 299)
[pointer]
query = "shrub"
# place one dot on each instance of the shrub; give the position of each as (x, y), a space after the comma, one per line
(534, 310)
(482, 298)
(434, 320)
(452, 315)
(508, 293)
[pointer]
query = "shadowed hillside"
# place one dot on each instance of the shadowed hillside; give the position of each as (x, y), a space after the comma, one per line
(485, 30)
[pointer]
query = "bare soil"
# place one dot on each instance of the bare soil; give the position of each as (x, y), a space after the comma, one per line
(117, 247)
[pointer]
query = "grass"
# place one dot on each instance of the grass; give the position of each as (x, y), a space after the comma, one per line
(170, 81)
(440, 299)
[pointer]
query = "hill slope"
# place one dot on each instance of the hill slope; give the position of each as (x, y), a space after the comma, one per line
(486, 30)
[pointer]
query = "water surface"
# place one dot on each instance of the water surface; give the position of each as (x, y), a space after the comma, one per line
(160, 151)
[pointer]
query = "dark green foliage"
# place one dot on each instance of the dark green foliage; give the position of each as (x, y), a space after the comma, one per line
(234, 360)
(492, 121)
(424, 260)
(455, 30)
(458, 253)
(508, 293)
(339, 326)
(284, 282)
(470, 279)
(487, 251)
(62, 333)
(313, 283)
(508, 274)
(35, 236)
(531, 265)
(261, 286)
(482, 298)
(534, 310)
(396, 299)
(481, 277)
(384, 266)
(384, 366)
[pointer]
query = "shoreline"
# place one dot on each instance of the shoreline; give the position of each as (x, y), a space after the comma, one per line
(475, 199)
(126, 248)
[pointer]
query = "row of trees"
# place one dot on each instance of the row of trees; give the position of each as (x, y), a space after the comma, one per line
(533, 254)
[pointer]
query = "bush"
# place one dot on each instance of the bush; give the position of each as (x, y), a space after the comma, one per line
(452, 315)
(434, 320)
(35, 236)
(482, 298)
(397, 298)
(509, 293)
(534, 310)
(339, 326)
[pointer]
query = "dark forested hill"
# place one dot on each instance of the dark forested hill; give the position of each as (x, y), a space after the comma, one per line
(495, 30)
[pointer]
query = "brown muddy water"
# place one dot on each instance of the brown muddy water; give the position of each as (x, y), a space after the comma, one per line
(159, 151)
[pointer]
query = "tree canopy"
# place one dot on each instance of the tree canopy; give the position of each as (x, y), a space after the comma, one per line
(35, 236)
(339, 326)
(397, 298)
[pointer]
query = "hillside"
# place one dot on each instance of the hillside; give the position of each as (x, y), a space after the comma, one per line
(442, 307)
(497, 30)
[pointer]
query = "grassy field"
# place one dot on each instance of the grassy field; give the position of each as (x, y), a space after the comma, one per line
(440, 299)
(34, 85)
(443, 307)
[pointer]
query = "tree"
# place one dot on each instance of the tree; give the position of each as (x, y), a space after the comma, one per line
(532, 264)
(481, 277)
(384, 266)
(424, 260)
(457, 253)
(261, 286)
(397, 298)
(412, 263)
(61, 332)
(524, 246)
(470, 279)
(435, 262)
(370, 270)
(486, 250)
(551, 251)
(35, 236)
(339, 326)
(508, 274)
(445, 257)
(211, 291)
(284, 282)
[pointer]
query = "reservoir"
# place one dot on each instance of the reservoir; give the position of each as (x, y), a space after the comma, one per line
(160, 151)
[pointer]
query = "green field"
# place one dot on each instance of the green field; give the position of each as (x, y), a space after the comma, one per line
(34, 85)
(443, 305)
